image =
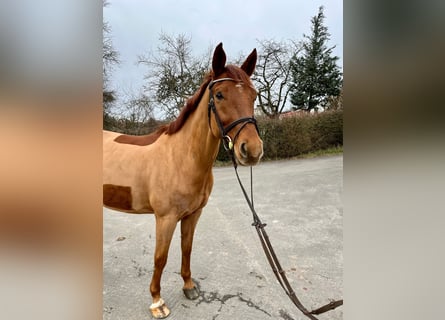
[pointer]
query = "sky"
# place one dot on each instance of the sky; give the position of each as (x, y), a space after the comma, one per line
(238, 24)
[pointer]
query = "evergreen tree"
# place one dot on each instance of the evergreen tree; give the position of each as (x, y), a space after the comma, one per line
(316, 76)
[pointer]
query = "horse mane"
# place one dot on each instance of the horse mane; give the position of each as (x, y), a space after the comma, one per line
(190, 106)
(192, 103)
(187, 110)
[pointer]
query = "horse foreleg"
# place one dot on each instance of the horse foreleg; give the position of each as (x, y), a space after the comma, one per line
(188, 225)
(165, 226)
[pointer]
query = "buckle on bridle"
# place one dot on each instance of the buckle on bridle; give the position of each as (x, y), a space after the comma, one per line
(227, 143)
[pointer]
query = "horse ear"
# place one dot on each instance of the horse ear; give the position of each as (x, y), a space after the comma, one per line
(219, 60)
(249, 65)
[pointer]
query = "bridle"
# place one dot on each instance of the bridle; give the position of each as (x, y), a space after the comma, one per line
(228, 142)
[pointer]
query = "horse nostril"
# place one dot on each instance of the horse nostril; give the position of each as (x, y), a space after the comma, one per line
(243, 149)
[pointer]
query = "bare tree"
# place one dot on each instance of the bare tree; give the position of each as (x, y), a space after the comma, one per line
(272, 76)
(139, 109)
(110, 59)
(335, 102)
(174, 74)
(135, 115)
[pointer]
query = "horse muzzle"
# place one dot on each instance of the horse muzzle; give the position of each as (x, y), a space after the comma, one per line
(248, 152)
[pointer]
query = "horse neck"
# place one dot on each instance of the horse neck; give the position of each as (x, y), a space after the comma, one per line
(198, 140)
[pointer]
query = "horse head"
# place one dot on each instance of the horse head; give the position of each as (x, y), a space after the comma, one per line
(232, 98)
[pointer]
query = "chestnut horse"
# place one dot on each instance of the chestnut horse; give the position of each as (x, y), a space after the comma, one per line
(169, 172)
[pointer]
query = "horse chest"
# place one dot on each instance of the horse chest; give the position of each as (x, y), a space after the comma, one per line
(188, 197)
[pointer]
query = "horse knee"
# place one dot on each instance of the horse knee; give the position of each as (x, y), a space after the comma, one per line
(160, 262)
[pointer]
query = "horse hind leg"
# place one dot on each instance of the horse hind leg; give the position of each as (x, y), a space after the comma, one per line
(165, 227)
(188, 225)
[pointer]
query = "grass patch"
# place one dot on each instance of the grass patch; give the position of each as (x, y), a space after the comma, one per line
(333, 151)
(321, 153)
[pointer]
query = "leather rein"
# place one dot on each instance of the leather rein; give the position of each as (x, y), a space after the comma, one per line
(280, 274)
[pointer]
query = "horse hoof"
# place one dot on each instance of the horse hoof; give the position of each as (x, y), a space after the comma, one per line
(159, 310)
(191, 294)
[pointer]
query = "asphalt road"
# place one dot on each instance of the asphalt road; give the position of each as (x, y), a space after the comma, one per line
(300, 200)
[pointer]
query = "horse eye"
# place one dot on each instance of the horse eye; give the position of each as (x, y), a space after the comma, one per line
(219, 95)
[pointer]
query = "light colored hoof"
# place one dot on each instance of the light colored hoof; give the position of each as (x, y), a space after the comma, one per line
(159, 310)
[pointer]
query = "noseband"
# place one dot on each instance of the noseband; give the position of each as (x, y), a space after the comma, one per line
(228, 142)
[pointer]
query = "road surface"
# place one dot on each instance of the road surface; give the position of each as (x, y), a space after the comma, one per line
(300, 200)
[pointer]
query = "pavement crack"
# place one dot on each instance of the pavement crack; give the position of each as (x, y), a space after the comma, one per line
(285, 315)
(215, 296)
(141, 271)
(108, 309)
(251, 304)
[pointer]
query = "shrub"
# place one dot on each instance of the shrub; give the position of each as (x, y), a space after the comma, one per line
(299, 134)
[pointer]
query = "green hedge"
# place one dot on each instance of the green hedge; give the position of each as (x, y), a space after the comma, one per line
(300, 134)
